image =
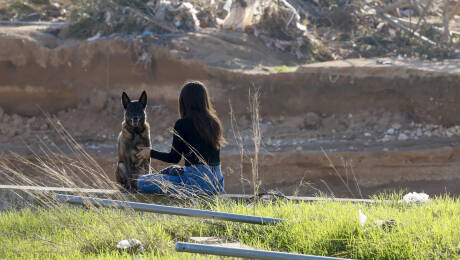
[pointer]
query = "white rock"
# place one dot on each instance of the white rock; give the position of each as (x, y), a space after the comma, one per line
(269, 141)
(95, 37)
(391, 131)
(367, 134)
(131, 244)
(428, 133)
(402, 137)
(299, 148)
(414, 197)
(396, 126)
(419, 132)
(449, 134)
(387, 138)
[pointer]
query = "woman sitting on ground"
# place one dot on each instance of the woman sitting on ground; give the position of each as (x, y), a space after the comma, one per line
(198, 137)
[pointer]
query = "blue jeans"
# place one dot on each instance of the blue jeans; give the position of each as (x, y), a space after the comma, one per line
(188, 180)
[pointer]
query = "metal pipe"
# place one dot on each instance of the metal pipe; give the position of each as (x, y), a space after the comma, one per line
(244, 253)
(246, 197)
(168, 210)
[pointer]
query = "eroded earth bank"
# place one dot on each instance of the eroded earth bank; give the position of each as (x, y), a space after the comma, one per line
(327, 127)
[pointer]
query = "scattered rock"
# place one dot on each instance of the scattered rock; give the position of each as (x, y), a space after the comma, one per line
(402, 137)
(16, 120)
(131, 246)
(312, 120)
(417, 198)
(390, 131)
(396, 126)
(387, 138)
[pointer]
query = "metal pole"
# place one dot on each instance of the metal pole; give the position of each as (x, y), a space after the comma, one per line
(168, 210)
(296, 198)
(244, 253)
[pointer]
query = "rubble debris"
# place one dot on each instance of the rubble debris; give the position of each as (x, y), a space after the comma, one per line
(184, 16)
(280, 28)
(207, 19)
(309, 30)
(417, 198)
(240, 15)
(386, 225)
(34, 11)
(131, 246)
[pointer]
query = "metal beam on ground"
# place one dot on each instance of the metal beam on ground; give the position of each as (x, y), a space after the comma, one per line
(295, 198)
(168, 210)
(59, 189)
(244, 253)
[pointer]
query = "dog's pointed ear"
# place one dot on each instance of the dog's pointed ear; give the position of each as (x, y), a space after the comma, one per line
(143, 99)
(125, 100)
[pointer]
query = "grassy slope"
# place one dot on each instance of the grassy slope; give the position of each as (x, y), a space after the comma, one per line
(429, 231)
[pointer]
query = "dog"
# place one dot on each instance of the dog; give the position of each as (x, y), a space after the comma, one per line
(135, 132)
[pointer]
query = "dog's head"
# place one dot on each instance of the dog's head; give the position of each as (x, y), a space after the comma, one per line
(135, 109)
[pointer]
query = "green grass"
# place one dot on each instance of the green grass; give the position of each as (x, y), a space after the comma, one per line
(428, 231)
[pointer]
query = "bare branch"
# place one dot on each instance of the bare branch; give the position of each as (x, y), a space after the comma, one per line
(445, 22)
(396, 24)
(455, 11)
(399, 4)
(422, 16)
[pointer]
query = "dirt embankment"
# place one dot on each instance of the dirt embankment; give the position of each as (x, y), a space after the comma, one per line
(366, 111)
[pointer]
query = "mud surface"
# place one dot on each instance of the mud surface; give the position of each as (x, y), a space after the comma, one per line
(384, 124)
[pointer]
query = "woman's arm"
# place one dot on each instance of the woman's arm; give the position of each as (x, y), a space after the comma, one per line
(175, 155)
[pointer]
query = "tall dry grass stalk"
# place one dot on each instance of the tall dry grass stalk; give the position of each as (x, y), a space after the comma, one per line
(254, 103)
(348, 167)
(240, 143)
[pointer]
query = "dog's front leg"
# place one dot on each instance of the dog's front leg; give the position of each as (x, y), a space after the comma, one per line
(146, 164)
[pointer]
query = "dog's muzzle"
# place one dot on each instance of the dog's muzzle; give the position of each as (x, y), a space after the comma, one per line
(135, 122)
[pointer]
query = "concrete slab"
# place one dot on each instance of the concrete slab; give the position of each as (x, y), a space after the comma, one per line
(218, 241)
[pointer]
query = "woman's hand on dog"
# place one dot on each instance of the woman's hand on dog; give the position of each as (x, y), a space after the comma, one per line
(144, 152)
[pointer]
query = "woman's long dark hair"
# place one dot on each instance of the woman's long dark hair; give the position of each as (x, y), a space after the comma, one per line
(194, 103)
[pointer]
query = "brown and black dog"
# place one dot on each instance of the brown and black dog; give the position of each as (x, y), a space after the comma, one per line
(135, 132)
